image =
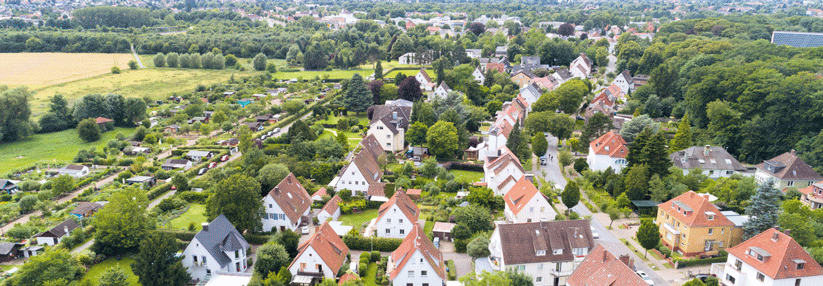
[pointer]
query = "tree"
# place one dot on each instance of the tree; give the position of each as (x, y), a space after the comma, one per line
(14, 118)
(409, 89)
(557, 124)
(27, 204)
(683, 138)
(416, 135)
(570, 195)
(133, 65)
(614, 214)
(271, 175)
(475, 218)
(659, 192)
(580, 165)
(288, 239)
(172, 60)
(259, 62)
(694, 282)
(88, 130)
(539, 144)
(123, 223)
(762, 210)
(566, 29)
(61, 185)
(378, 70)
(636, 182)
(374, 87)
(648, 235)
(477, 28)
(114, 277)
(134, 110)
(632, 129)
(479, 247)
(293, 106)
(238, 199)
(442, 139)
(270, 258)
(157, 263)
(180, 183)
(656, 156)
(160, 60)
(597, 125)
(635, 155)
(565, 157)
(54, 267)
(357, 98)
(480, 196)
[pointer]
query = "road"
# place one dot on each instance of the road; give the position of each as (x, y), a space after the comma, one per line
(552, 169)
(137, 58)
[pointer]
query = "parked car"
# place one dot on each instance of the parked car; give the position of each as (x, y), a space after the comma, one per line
(595, 235)
(263, 137)
(276, 130)
(224, 158)
(437, 242)
(270, 133)
(305, 230)
(212, 165)
(202, 171)
(645, 277)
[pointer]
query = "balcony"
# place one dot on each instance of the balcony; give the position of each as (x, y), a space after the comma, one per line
(560, 273)
(310, 273)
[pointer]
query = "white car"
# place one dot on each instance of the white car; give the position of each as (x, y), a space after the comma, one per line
(645, 277)
(595, 235)
(305, 230)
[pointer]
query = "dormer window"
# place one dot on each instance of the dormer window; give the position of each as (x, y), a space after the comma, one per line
(800, 266)
(558, 251)
(540, 253)
(711, 217)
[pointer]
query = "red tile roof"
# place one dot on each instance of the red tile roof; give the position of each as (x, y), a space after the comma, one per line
(785, 253)
(332, 205)
(292, 198)
(328, 246)
(349, 276)
(320, 193)
(499, 163)
(611, 144)
(601, 268)
(414, 241)
(520, 194)
(691, 209)
(100, 120)
(499, 67)
(404, 203)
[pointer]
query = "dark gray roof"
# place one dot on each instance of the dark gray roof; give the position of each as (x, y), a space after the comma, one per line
(705, 158)
(6, 184)
(60, 229)
(85, 207)
(6, 247)
(520, 241)
(386, 114)
(797, 39)
(221, 236)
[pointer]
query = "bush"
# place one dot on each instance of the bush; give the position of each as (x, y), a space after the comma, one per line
(375, 256)
(133, 64)
(193, 197)
(382, 244)
(180, 234)
(701, 261)
(580, 165)
(452, 270)
(115, 70)
(363, 269)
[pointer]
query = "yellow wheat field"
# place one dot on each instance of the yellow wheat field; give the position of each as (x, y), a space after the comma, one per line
(43, 69)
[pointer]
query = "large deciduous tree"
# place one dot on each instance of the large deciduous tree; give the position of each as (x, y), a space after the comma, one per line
(566, 29)
(557, 124)
(409, 89)
(239, 200)
(270, 258)
(271, 175)
(442, 139)
(157, 263)
(259, 62)
(417, 133)
(123, 223)
(570, 195)
(648, 235)
(539, 144)
(597, 125)
(88, 130)
(54, 267)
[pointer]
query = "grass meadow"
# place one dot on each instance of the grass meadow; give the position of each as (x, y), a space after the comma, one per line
(94, 273)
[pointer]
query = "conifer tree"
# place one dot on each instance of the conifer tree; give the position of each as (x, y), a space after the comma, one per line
(655, 155)
(683, 138)
(762, 210)
(357, 97)
(378, 70)
(636, 182)
(635, 155)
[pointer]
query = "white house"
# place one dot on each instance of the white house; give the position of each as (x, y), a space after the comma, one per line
(530, 92)
(388, 124)
(497, 170)
(318, 195)
(362, 174)
(416, 262)
(76, 171)
(771, 258)
(478, 75)
(286, 205)
(581, 67)
(714, 162)
(608, 151)
(547, 251)
(425, 80)
(625, 81)
(397, 216)
(442, 90)
(218, 247)
(474, 53)
(331, 210)
(411, 59)
(562, 75)
(56, 234)
(785, 171)
(524, 203)
(198, 156)
(321, 256)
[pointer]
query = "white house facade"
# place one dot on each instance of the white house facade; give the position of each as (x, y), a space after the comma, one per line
(416, 262)
(219, 247)
(442, 90)
(286, 205)
(478, 75)
(425, 80)
(608, 151)
(388, 124)
(76, 171)
(524, 203)
(397, 216)
(331, 211)
(321, 255)
(498, 170)
(625, 81)
(56, 234)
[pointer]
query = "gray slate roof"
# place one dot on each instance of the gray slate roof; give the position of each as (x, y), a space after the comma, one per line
(797, 39)
(221, 236)
(60, 229)
(697, 157)
(6, 247)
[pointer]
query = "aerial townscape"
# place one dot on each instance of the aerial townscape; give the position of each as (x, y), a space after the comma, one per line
(411, 143)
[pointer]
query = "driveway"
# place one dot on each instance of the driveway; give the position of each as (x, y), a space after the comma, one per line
(462, 261)
(552, 168)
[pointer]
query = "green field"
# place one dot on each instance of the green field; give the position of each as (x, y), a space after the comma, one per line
(196, 214)
(467, 176)
(93, 275)
(56, 147)
(309, 75)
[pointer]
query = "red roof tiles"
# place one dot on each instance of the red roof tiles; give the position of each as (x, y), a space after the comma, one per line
(785, 254)
(611, 144)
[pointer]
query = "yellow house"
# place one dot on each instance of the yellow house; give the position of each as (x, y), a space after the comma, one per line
(691, 225)
(523, 78)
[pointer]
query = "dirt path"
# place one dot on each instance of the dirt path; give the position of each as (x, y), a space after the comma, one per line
(137, 58)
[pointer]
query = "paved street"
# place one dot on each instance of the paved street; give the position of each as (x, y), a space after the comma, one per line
(552, 169)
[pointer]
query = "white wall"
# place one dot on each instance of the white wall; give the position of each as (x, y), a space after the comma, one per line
(387, 139)
(323, 215)
(48, 240)
(270, 224)
(537, 209)
(391, 221)
(197, 249)
(352, 175)
(748, 276)
(311, 259)
(493, 180)
(417, 267)
(479, 77)
(602, 162)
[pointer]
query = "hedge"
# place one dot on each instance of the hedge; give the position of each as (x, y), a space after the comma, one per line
(452, 270)
(451, 165)
(94, 178)
(292, 118)
(158, 191)
(705, 261)
(382, 244)
(256, 239)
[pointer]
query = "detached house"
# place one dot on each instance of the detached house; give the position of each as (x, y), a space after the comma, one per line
(197, 156)
(388, 124)
(600, 104)
(786, 171)
(625, 81)
(502, 171)
(813, 195)
(441, 91)
(54, 235)
(547, 251)
(581, 67)
(218, 247)
(530, 92)
(608, 151)
(172, 164)
(416, 262)
(478, 75)
(770, 258)
(692, 226)
(426, 83)
(331, 210)
(76, 171)
(362, 175)
(286, 205)
(321, 256)
(713, 161)
(563, 75)
(524, 203)
(396, 217)
(601, 267)
(9, 187)
(523, 77)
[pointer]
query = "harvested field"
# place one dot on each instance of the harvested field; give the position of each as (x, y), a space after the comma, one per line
(42, 69)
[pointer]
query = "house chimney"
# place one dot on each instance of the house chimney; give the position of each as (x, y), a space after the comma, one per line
(775, 236)
(794, 153)
(707, 150)
(605, 256)
(66, 229)
(276, 190)
(787, 232)
(627, 261)
(205, 226)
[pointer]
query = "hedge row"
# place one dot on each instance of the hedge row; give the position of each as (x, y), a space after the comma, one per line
(158, 191)
(256, 239)
(181, 150)
(382, 244)
(452, 270)
(183, 235)
(89, 179)
(463, 166)
(705, 261)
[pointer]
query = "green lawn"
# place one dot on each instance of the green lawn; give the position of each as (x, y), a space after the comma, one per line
(371, 275)
(196, 214)
(356, 220)
(467, 176)
(56, 147)
(93, 275)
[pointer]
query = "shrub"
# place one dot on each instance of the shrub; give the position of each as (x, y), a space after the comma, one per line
(452, 270)
(363, 269)
(382, 244)
(375, 256)
(115, 70)
(133, 64)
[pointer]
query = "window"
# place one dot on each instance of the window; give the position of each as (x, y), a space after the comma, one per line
(425, 284)
(790, 183)
(557, 267)
(269, 205)
(760, 277)
(411, 274)
(797, 282)
(738, 264)
(711, 231)
(388, 136)
(558, 251)
(236, 254)
(402, 231)
(401, 220)
(801, 265)
(208, 272)
(538, 279)
(195, 259)
(356, 182)
(722, 230)
(521, 267)
(379, 127)
(283, 216)
(730, 278)
(388, 220)
(237, 266)
(388, 231)
(423, 273)
(204, 259)
(711, 217)
(531, 209)
(409, 284)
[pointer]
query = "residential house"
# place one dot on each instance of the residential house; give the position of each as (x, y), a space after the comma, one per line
(442, 90)
(416, 262)
(530, 60)
(362, 175)
(478, 75)
(319, 257)
(547, 251)
(173, 164)
(286, 206)
(712, 161)
(134, 151)
(785, 171)
(8, 186)
(581, 67)
(388, 124)
(54, 235)
(426, 83)
(693, 226)
(396, 217)
(523, 77)
(524, 203)
(443, 230)
(331, 210)
(228, 142)
(601, 267)
(625, 81)
(563, 75)
(229, 279)
(31, 251)
(318, 195)
(548, 82)
(76, 171)
(600, 104)
(413, 59)
(201, 119)
(245, 101)
(144, 181)
(174, 128)
(254, 126)
(640, 80)
(499, 67)
(9, 251)
(474, 53)
(530, 92)
(218, 247)
(770, 258)
(813, 195)
(501, 51)
(502, 172)
(614, 92)
(608, 151)
(86, 209)
(197, 156)
(102, 122)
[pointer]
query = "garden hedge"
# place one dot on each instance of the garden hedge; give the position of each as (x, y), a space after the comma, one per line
(382, 244)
